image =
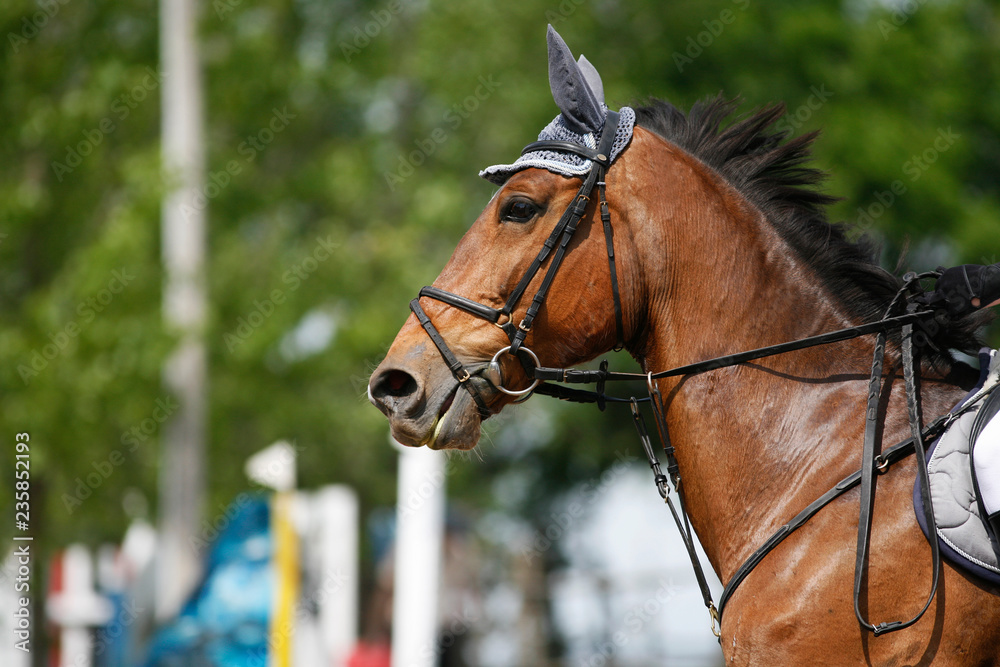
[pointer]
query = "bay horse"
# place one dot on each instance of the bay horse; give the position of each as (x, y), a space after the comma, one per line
(721, 244)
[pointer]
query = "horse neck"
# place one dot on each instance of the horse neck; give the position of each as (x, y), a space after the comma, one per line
(758, 442)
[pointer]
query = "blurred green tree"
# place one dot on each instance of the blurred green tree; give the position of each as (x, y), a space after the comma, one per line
(344, 140)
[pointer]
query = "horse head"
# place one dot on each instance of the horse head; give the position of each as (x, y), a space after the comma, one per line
(465, 352)
(645, 229)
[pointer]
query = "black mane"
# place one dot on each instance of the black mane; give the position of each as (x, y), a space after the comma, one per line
(772, 174)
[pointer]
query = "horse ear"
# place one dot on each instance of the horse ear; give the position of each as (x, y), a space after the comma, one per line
(573, 95)
(592, 77)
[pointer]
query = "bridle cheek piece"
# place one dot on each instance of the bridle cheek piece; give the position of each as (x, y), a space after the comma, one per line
(555, 245)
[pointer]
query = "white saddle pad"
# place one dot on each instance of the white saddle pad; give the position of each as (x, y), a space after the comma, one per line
(956, 509)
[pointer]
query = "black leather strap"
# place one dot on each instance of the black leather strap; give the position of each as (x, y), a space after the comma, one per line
(462, 303)
(869, 450)
(869, 454)
(456, 367)
(683, 526)
(609, 241)
(584, 376)
(458, 370)
(576, 211)
(547, 246)
(579, 395)
(567, 218)
(911, 376)
(647, 445)
(886, 460)
(661, 480)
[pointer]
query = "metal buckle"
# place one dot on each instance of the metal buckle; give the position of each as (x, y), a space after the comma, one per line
(520, 392)
(464, 377)
(716, 624)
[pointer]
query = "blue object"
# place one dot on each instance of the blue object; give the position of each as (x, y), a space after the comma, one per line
(225, 623)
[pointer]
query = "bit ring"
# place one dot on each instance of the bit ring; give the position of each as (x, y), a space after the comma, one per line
(519, 392)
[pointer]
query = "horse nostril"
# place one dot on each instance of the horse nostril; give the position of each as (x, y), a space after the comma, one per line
(395, 384)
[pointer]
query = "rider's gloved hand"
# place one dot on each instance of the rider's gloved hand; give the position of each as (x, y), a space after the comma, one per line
(963, 289)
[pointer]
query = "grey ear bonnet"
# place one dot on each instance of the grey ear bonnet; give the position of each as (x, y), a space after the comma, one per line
(578, 92)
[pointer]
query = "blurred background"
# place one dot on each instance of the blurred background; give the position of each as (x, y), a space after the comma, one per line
(335, 170)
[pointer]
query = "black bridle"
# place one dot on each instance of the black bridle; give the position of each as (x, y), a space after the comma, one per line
(556, 245)
(874, 462)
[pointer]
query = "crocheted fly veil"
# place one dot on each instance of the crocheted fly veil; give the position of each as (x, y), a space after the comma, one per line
(579, 94)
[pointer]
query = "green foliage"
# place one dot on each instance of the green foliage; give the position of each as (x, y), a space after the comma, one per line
(386, 110)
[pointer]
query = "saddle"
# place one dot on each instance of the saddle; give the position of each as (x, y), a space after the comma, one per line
(959, 513)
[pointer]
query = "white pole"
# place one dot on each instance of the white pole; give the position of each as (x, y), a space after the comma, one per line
(419, 534)
(182, 471)
(337, 597)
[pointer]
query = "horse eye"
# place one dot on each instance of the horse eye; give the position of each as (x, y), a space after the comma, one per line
(519, 210)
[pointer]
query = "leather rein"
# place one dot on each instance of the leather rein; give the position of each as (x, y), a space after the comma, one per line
(874, 462)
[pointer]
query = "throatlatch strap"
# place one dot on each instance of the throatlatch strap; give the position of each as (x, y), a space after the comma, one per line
(609, 241)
